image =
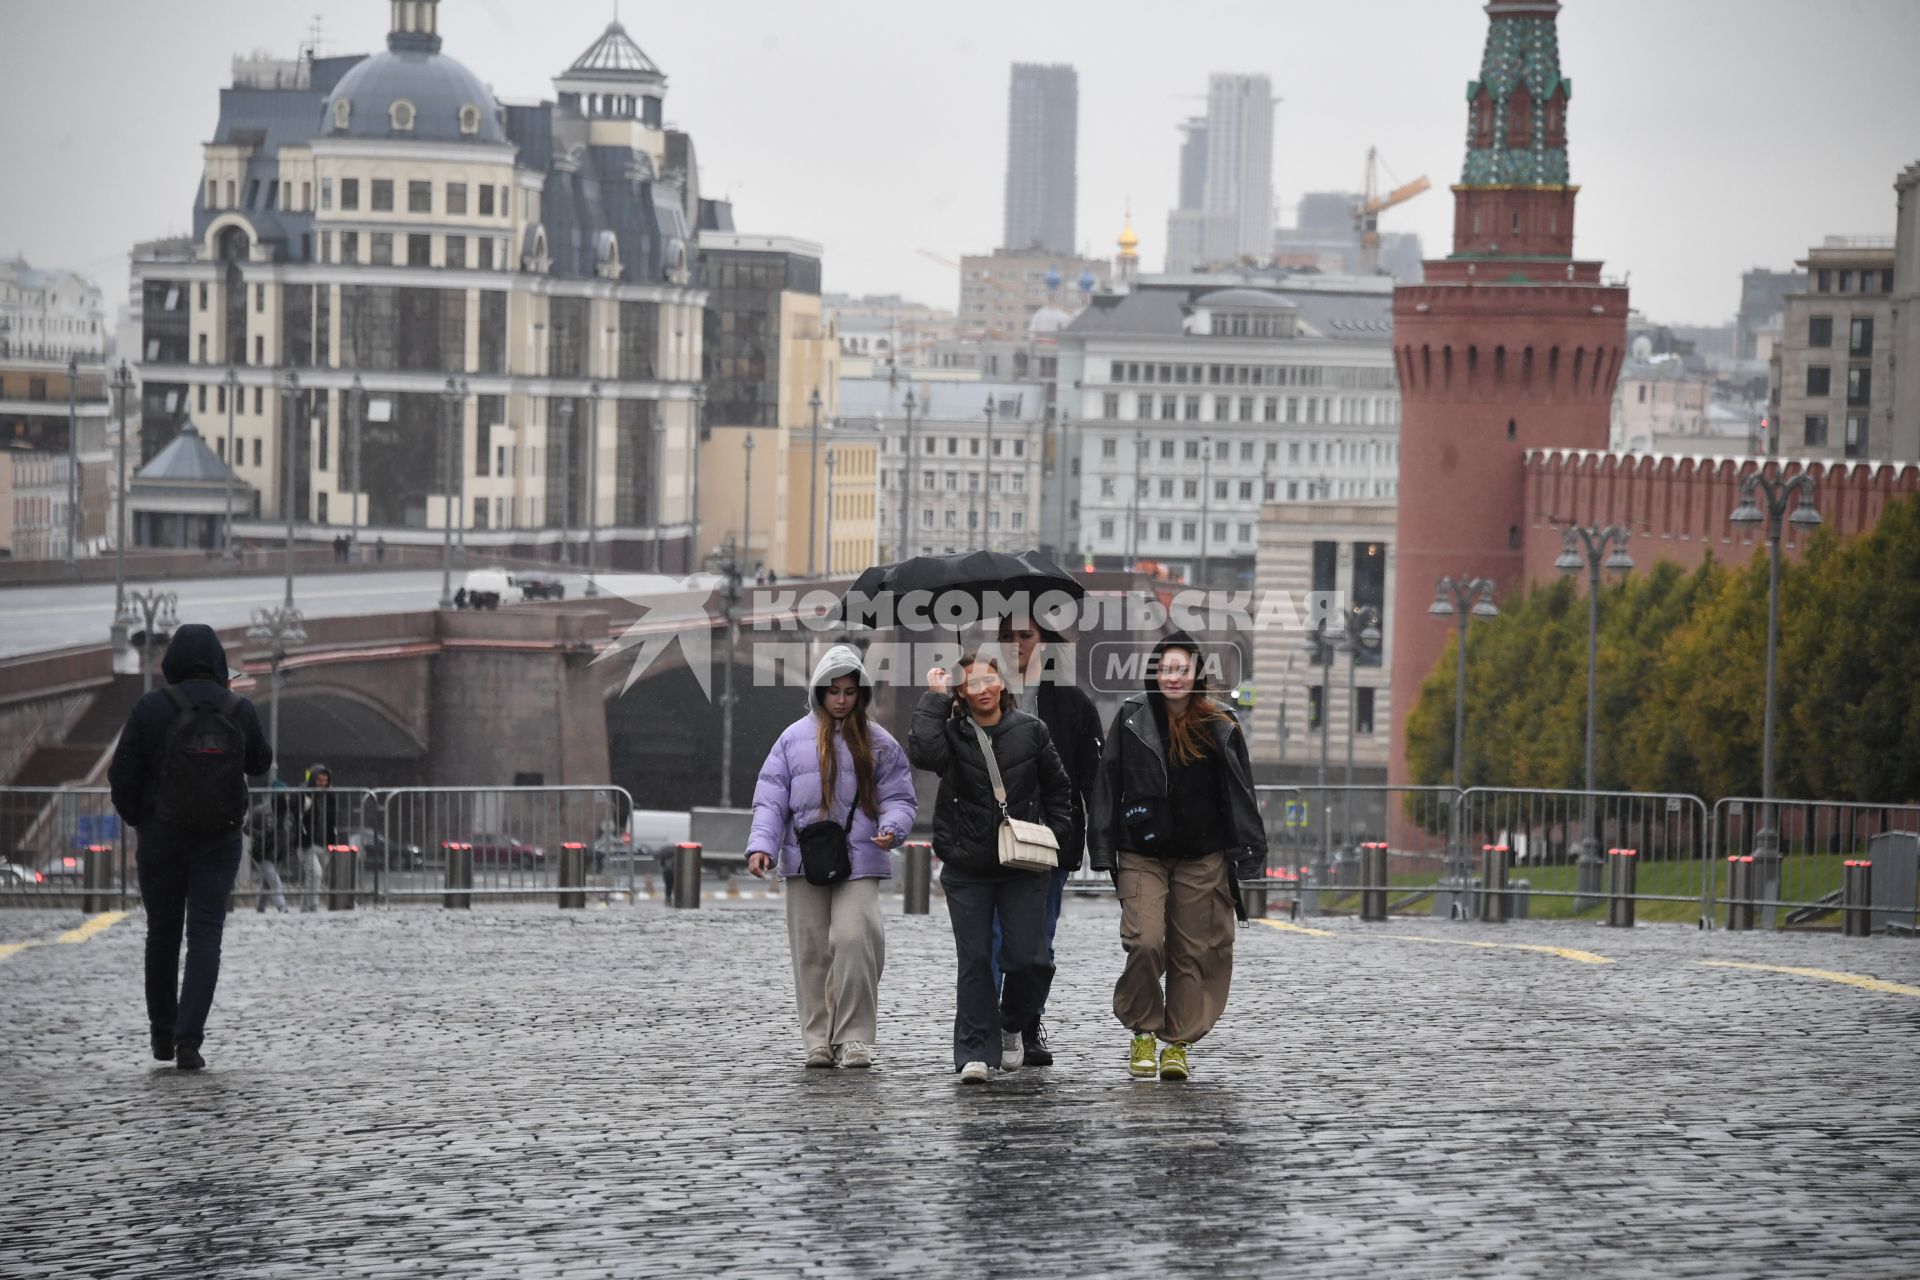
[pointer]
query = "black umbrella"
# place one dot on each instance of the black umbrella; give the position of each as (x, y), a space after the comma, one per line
(977, 576)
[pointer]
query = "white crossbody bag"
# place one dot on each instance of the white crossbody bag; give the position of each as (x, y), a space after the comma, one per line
(1024, 846)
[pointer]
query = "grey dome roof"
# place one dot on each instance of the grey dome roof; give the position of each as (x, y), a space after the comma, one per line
(436, 85)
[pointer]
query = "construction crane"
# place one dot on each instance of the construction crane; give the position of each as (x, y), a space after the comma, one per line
(1366, 215)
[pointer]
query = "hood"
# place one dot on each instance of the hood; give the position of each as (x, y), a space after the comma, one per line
(1174, 640)
(840, 660)
(195, 652)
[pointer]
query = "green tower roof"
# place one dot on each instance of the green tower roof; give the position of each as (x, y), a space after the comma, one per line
(1516, 110)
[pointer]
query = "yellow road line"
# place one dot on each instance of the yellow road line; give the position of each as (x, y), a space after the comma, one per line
(1565, 953)
(98, 924)
(1287, 926)
(1825, 975)
(9, 950)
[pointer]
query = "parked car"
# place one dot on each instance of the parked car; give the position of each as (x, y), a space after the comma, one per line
(540, 586)
(379, 851)
(68, 868)
(15, 876)
(485, 588)
(506, 850)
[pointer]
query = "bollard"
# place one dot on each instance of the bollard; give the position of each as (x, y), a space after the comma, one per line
(686, 877)
(96, 872)
(1856, 890)
(1623, 866)
(573, 876)
(1493, 884)
(459, 874)
(916, 882)
(1739, 892)
(1253, 896)
(342, 863)
(1373, 880)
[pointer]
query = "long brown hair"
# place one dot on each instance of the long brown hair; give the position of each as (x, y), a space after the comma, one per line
(859, 739)
(1189, 730)
(974, 658)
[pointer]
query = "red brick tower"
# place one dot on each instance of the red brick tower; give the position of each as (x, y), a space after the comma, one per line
(1510, 345)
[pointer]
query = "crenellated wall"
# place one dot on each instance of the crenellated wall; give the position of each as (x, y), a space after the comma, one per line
(1677, 507)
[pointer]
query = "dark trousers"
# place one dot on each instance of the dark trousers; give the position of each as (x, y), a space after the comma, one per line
(1056, 895)
(185, 881)
(1018, 902)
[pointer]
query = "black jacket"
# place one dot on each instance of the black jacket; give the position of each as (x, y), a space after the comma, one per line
(1074, 726)
(966, 821)
(1133, 766)
(197, 662)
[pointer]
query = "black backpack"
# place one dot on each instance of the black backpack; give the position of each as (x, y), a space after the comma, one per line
(203, 779)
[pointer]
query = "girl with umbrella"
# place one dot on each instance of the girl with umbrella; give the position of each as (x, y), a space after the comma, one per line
(1175, 820)
(962, 716)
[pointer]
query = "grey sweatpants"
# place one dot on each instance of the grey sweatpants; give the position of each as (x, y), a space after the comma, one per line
(838, 940)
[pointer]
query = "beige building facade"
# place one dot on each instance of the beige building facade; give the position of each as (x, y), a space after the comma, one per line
(1832, 371)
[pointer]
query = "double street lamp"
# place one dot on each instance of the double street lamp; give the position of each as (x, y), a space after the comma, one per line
(1358, 632)
(290, 387)
(454, 398)
(123, 383)
(828, 554)
(1466, 598)
(156, 612)
(281, 629)
(1593, 548)
(1777, 493)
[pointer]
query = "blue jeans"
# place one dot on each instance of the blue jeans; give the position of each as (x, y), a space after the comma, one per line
(185, 881)
(1056, 894)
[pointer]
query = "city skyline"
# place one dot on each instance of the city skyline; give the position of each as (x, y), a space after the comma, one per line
(1676, 114)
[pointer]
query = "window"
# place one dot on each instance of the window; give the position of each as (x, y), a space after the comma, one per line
(1846, 282)
(1363, 711)
(486, 253)
(1293, 490)
(419, 197)
(1246, 491)
(1106, 486)
(973, 448)
(203, 397)
(1816, 430)
(400, 115)
(1193, 409)
(349, 246)
(1860, 336)
(306, 195)
(326, 193)
(1166, 489)
(1110, 405)
(1189, 530)
(1272, 409)
(1166, 448)
(1859, 386)
(1819, 380)
(486, 201)
(419, 251)
(1273, 451)
(1246, 408)
(342, 113)
(1856, 435)
(1168, 407)
(1193, 450)
(457, 252)
(380, 248)
(1190, 489)
(259, 348)
(1109, 447)
(1019, 520)
(1143, 406)
(1245, 532)
(259, 401)
(203, 348)
(456, 199)
(469, 119)
(256, 440)
(320, 453)
(1643, 393)
(1269, 487)
(349, 193)
(1820, 331)
(380, 200)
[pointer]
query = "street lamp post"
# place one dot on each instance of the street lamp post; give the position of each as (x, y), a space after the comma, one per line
(726, 694)
(1206, 515)
(156, 611)
(1133, 501)
(813, 481)
(694, 558)
(656, 478)
(357, 407)
(593, 481)
(906, 508)
(281, 629)
(1062, 470)
(453, 398)
(828, 555)
(565, 412)
(1468, 598)
(1594, 548)
(73, 463)
(1779, 492)
(1361, 633)
(123, 383)
(986, 481)
(746, 506)
(231, 385)
(290, 385)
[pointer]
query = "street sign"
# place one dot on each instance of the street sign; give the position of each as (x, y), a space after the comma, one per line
(1296, 813)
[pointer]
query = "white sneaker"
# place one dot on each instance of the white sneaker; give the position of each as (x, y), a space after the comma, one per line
(820, 1056)
(855, 1055)
(974, 1073)
(1013, 1051)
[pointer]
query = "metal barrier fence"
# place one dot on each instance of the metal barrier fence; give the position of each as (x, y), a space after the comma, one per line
(1559, 841)
(500, 842)
(1799, 850)
(1318, 839)
(62, 844)
(290, 836)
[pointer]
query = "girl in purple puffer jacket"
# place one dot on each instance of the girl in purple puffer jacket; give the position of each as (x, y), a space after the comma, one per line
(835, 931)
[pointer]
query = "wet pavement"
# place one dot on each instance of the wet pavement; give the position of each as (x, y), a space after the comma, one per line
(518, 1091)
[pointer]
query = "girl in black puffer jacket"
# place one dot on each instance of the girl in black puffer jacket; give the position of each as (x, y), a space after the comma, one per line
(966, 827)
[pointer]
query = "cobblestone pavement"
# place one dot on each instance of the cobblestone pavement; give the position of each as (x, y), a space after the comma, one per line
(519, 1091)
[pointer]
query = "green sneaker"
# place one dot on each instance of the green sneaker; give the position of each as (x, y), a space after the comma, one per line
(1141, 1062)
(1173, 1061)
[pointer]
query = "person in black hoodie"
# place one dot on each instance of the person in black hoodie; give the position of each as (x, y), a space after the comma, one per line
(178, 778)
(1176, 821)
(966, 838)
(1046, 690)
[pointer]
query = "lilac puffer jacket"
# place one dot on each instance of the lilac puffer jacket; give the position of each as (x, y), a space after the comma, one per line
(787, 795)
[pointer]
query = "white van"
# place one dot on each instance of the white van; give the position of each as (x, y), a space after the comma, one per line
(485, 588)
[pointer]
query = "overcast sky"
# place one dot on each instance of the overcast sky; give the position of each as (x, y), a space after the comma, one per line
(1709, 135)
